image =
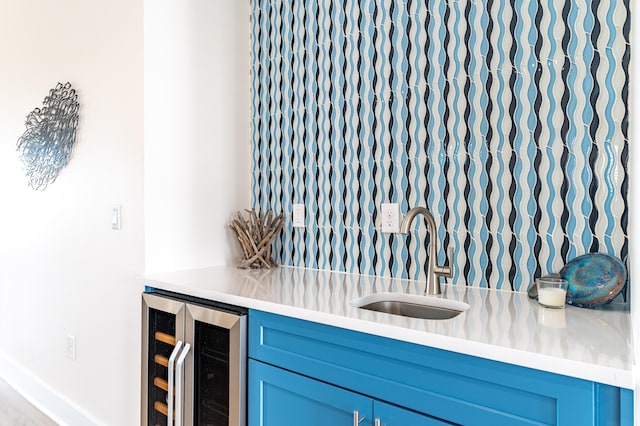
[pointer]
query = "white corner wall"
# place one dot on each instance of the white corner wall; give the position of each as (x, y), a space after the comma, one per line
(62, 269)
(197, 140)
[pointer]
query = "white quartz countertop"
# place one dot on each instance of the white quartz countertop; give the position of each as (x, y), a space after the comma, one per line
(499, 325)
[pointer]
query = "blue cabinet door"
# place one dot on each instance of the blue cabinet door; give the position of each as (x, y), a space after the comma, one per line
(391, 415)
(278, 397)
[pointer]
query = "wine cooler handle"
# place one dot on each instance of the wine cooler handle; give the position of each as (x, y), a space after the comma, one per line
(180, 385)
(172, 361)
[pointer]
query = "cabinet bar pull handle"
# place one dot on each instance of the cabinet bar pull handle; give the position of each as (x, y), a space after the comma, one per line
(356, 418)
(378, 422)
(170, 399)
(180, 385)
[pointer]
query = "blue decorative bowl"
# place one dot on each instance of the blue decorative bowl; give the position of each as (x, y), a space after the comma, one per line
(594, 279)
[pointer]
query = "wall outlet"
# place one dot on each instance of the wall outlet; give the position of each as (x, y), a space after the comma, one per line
(390, 216)
(298, 215)
(71, 347)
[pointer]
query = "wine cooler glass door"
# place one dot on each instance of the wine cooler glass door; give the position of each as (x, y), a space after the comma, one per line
(162, 339)
(218, 366)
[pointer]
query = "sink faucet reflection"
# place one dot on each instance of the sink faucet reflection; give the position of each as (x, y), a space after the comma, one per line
(435, 271)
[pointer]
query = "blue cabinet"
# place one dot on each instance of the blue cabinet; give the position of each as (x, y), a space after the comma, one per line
(392, 415)
(282, 398)
(310, 369)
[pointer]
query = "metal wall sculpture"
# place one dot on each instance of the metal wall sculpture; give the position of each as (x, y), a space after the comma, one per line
(46, 146)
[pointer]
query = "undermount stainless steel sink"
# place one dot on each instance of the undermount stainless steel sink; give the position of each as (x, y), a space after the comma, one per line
(414, 306)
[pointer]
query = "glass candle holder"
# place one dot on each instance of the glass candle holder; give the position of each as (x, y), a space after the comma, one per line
(552, 292)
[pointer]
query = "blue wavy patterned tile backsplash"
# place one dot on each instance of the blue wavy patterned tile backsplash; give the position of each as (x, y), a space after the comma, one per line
(508, 120)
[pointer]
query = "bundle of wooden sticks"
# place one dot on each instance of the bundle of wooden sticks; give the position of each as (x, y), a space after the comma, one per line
(255, 234)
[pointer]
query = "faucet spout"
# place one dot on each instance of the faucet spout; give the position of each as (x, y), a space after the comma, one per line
(434, 271)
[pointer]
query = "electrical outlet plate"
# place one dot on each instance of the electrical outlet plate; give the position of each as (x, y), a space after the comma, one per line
(390, 216)
(298, 215)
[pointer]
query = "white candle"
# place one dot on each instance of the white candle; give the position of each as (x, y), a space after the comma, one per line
(552, 296)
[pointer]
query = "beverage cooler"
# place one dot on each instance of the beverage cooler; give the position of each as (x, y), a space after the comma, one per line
(193, 361)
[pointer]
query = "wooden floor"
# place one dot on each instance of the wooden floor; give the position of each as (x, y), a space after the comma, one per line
(17, 411)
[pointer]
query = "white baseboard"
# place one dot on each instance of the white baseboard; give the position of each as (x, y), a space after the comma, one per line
(51, 403)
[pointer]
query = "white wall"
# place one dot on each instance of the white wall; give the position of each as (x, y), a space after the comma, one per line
(197, 141)
(62, 269)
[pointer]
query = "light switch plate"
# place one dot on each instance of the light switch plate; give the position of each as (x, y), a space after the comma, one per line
(70, 350)
(390, 216)
(298, 215)
(115, 217)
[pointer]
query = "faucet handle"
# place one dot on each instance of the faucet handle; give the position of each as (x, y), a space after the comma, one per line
(445, 270)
